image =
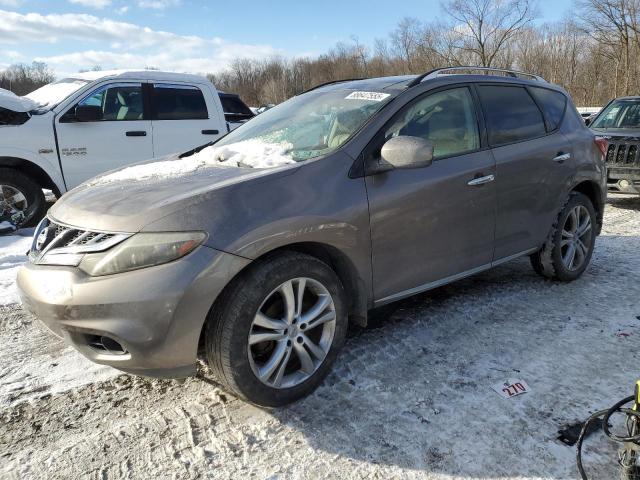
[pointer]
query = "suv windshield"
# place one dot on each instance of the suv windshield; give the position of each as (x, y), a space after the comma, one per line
(619, 114)
(304, 127)
(53, 93)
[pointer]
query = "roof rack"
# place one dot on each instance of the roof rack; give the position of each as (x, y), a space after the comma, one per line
(441, 71)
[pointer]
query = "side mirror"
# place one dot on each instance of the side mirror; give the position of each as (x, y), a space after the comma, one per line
(88, 113)
(587, 121)
(408, 152)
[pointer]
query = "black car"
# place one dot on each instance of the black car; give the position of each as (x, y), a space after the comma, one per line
(619, 124)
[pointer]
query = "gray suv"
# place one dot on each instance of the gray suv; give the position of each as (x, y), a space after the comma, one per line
(262, 247)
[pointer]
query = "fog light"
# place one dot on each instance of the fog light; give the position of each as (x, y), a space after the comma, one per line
(624, 183)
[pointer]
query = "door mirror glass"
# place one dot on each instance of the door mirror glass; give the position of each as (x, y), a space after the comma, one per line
(88, 113)
(407, 152)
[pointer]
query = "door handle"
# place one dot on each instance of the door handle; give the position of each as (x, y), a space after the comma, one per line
(562, 157)
(481, 180)
(210, 132)
(136, 133)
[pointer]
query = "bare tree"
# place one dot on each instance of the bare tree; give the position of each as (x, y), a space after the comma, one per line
(485, 27)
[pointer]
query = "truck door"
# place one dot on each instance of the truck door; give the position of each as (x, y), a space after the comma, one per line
(118, 135)
(182, 119)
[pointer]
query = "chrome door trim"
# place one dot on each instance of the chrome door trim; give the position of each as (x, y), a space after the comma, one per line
(450, 279)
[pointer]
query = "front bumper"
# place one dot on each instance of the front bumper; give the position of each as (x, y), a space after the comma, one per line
(155, 314)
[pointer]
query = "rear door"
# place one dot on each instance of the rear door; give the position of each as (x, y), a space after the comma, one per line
(533, 162)
(121, 137)
(432, 223)
(182, 118)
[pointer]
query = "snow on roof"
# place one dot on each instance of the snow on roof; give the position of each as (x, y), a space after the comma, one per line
(139, 74)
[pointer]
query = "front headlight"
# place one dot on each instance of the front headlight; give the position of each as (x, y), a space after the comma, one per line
(142, 250)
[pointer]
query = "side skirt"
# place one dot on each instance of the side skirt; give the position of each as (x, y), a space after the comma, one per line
(450, 279)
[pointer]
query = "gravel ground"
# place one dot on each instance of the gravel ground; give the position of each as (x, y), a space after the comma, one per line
(408, 398)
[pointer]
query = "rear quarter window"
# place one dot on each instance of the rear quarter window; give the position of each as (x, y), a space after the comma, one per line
(511, 114)
(178, 102)
(553, 104)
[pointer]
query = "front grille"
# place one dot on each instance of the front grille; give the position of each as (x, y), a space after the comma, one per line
(57, 244)
(621, 152)
(64, 236)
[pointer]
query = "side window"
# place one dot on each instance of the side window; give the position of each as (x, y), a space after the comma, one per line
(447, 118)
(511, 114)
(118, 101)
(553, 104)
(178, 102)
(234, 109)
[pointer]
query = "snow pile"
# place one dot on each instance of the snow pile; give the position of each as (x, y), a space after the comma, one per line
(254, 153)
(13, 250)
(13, 102)
(53, 93)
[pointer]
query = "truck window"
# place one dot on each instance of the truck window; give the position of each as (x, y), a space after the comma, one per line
(234, 109)
(118, 102)
(511, 114)
(178, 102)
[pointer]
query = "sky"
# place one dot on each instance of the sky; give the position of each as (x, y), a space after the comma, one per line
(198, 36)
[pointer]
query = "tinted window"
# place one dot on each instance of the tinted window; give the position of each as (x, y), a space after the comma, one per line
(178, 102)
(232, 104)
(553, 104)
(447, 118)
(511, 114)
(118, 102)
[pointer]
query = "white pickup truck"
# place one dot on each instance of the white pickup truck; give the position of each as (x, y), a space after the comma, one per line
(76, 128)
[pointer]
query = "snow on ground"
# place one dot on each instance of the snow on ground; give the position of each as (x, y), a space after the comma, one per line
(13, 249)
(408, 398)
(249, 153)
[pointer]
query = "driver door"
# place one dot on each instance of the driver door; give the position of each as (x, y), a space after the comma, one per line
(123, 136)
(435, 223)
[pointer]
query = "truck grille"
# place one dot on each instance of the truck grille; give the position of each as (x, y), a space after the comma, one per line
(56, 244)
(622, 153)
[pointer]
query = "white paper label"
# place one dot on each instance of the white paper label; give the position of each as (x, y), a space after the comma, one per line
(371, 96)
(511, 388)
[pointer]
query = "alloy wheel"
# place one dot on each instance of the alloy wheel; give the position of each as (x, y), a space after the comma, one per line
(576, 238)
(292, 333)
(12, 200)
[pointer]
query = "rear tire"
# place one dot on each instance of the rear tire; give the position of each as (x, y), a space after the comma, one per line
(276, 371)
(34, 201)
(568, 248)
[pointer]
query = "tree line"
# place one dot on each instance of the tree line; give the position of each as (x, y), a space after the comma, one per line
(591, 53)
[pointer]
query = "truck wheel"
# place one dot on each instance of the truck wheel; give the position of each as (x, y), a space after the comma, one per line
(20, 194)
(276, 330)
(567, 251)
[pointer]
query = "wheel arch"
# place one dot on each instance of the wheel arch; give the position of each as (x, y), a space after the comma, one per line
(592, 190)
(355, 289)
(32, 170)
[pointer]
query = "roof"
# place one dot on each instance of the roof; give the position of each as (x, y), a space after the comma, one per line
(401, 82)
(139, 74)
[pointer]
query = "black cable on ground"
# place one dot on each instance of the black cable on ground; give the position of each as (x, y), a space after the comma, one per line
(606, 414)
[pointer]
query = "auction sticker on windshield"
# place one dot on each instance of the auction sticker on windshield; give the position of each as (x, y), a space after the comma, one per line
(371, 96)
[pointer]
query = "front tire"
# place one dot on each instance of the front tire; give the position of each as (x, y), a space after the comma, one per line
(19, 193)
(567, 251)
(277, 329)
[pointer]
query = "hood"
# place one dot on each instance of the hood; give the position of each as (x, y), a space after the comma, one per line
(630, 134)
(127, 204)
(11, 101)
